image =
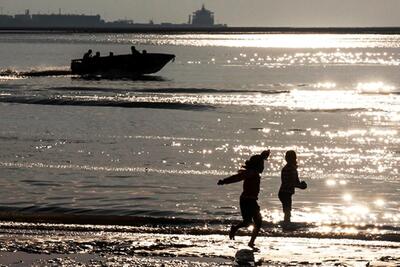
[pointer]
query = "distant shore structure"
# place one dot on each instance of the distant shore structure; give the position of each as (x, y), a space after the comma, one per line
(202, 18)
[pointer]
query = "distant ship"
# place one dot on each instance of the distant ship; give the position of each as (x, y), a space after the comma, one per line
(202, 18)
(50, 21)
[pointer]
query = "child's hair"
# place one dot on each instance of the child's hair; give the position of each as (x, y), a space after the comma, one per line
(255, 163)
(291, 157)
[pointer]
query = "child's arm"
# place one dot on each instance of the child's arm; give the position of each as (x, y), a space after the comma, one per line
(232, 179)
(298, 183)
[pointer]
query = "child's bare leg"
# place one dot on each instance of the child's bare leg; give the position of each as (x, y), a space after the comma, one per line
(234, 229)
(254, 235)
(287, 216)
(256, 230)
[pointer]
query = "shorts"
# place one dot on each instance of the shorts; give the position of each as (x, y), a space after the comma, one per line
(286, 199)
(250, 211)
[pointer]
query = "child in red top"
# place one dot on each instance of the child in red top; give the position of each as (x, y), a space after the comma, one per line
(248, 199)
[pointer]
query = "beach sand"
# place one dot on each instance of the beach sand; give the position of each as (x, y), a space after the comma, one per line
(45, 244)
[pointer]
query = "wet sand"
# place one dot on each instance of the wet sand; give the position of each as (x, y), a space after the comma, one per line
(41, 244)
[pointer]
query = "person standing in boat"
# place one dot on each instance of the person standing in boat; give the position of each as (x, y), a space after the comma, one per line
(250, 175)
(290, 180)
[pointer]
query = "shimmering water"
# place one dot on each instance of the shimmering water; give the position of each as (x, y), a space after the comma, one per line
(157, 146)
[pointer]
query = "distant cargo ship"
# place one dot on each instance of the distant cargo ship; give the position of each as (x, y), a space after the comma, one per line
(202, 18)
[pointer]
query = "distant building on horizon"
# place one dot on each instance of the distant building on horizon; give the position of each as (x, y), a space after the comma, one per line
(202, 18)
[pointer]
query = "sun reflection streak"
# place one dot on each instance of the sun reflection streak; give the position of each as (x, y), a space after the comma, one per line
(263, 40)
(320, 58)
(319, 100)
(357, 209)
(374, 87)
(338, 218)
(379, 202)
(331, 182)
(347, 197)
(325, 85)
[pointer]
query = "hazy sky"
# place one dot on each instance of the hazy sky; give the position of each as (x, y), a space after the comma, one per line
(232, 12)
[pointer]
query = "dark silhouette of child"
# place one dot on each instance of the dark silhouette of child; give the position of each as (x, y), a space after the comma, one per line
(290, 180)
(250, 175)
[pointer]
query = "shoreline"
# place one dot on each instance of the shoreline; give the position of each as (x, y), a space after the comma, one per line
(38, 246)
(180, 226)
(207, 30)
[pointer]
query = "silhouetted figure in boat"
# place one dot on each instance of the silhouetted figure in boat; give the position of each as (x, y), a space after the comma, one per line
(87, 55)
(144, 52)
(250, 175)
(134, 51)
(290, 180)
(97, 55)
(110, 59)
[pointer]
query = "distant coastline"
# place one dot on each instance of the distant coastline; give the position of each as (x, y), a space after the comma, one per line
(213, 29)
(202, 18)
(200, 21)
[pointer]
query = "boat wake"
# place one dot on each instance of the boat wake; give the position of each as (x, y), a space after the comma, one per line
(13, 74)
(34, 73)
(101, 102)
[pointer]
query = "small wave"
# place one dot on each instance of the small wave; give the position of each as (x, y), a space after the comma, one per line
(169, 90)
(174, 138)
(332, 110)
(8, 72)
(383, 93)
(119, 77)
(102, 103)
(112, 169)
(297, 130)
(208, 91)
(41, 183)
(89, 89)
(59, 218)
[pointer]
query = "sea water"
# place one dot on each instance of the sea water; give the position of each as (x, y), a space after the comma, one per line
(157, 146)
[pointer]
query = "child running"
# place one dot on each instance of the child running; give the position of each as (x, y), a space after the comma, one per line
(250, 175)
(290, 180)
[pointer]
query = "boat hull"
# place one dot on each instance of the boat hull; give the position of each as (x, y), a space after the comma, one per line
(132, 65)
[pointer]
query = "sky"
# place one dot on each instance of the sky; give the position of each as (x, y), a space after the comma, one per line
(267, 13)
